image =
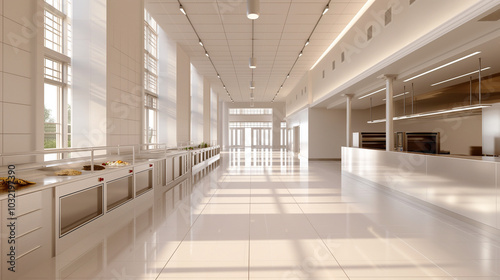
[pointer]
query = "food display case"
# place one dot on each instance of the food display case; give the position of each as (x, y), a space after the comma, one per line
(70, 193)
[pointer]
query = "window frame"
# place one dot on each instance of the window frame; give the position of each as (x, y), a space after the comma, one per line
(63, 83)
(150, 68)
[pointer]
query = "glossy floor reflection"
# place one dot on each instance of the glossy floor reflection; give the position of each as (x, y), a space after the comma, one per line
(269, 215)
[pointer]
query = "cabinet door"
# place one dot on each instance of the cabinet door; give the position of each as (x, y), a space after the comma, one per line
(177, 167)
(169, 166)
(143, 181)
(119, 191)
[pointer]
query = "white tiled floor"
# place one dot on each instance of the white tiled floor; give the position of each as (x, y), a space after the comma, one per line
(265, 215)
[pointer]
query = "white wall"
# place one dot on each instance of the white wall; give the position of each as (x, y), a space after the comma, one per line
(19, 68)
(214, 116)
(301, 119)
(197, 84)
(183, 100)
(299, 97)
(124, 27)
(327, 130)
(207, 107)
(167, 89)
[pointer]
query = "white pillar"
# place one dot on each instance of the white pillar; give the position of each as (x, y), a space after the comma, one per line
(348, 120)
(389, 112)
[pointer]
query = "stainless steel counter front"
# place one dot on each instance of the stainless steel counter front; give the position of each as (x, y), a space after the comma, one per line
(467, 186)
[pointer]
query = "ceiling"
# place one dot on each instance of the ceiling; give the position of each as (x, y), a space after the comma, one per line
(477, 35)
(279, 35)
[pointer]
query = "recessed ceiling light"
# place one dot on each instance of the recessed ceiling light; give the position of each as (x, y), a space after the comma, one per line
(442, 66)
(369, 94)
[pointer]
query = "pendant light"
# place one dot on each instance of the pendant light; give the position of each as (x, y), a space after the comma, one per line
(252, 63)
(253, 9)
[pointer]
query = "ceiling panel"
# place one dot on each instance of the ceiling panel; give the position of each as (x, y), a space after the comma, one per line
(280, 33)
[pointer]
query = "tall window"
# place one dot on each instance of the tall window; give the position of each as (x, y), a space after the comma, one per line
(57, 74)
(150, 79)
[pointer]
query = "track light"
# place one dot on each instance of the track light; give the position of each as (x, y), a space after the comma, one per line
(252, 85)
(206, 53)
(288, 76)
(326, 9)
(251, 95)
(307, 43)
(301, 53)
(253, 7)
(252, 63)
(218, 76)
(182, 10)
(200, 42)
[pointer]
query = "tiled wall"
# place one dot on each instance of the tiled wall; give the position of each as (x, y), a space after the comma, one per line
(124, 71)
(17, 59)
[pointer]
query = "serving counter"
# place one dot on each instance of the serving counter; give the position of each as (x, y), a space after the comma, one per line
(57, 211)
(463, 185)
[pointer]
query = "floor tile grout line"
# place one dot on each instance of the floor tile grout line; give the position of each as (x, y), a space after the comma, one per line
(190, 228)
(315, 230)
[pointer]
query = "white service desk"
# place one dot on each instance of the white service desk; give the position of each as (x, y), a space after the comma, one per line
(464, 185)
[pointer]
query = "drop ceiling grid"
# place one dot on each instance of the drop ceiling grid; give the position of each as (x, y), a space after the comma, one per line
(279, 36)
(268, 84)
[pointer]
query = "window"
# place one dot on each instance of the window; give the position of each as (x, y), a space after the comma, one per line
(150, 79)
(251, 124)
(253, 111)
(57, 74)
(151, 117)
(53, 31)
